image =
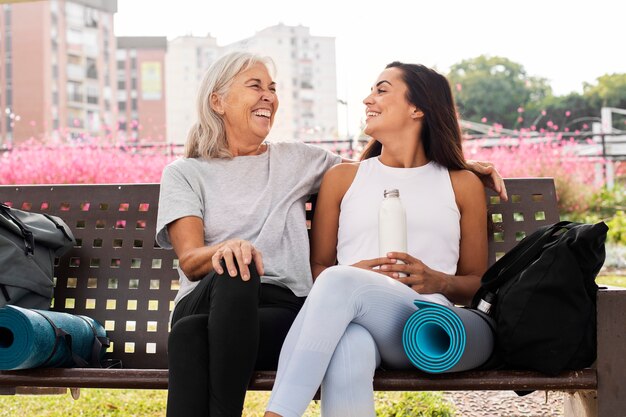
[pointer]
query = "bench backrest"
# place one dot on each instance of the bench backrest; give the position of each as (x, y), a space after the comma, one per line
(120, 277)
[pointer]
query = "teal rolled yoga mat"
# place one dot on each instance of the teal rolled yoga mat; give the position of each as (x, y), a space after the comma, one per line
(441, 339)
(27, 339)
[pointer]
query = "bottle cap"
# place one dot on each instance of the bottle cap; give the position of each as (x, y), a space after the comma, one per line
(392, 192)
(486, 303)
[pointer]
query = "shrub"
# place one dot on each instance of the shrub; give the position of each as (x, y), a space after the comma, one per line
(549, 156)
(412, 404)
(88, 163)
(609, 206)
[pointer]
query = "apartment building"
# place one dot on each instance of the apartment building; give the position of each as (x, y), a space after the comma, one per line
(187, 59)
(57, 73)
(141, 92)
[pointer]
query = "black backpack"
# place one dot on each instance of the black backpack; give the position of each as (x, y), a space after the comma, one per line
(542, 295)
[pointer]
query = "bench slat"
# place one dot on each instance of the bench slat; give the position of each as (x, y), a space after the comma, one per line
(264, 380)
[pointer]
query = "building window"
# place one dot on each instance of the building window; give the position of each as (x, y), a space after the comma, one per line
(8, 44)
(121, 106)
(7, 15)
(91, 18)
(121, 65)
(92, 94)
(121, 85)
(92, 71)
(74, 92)
(133, 104)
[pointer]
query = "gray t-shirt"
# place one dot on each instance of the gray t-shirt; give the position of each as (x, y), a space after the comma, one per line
(257, 198)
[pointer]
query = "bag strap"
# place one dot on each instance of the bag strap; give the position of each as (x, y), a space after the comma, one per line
(520, 256)
(98, 343)
(58, 226)
(61, 336)
(5, 292)
(29, 239)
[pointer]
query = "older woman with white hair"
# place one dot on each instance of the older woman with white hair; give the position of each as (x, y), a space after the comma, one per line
(233, 211)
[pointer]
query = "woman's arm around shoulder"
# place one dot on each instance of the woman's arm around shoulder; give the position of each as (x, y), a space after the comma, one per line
(325, 224)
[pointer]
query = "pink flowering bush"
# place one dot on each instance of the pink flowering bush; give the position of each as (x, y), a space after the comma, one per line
(577, 178)
(83, 164)
(94, 162)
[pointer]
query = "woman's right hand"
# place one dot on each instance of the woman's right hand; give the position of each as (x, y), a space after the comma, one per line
(237, 252)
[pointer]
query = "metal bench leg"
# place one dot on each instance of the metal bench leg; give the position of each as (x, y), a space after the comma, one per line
(611, 350)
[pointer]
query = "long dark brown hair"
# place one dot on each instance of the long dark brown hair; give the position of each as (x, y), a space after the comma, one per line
(430, 92)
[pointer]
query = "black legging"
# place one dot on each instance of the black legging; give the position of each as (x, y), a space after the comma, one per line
(223, 330)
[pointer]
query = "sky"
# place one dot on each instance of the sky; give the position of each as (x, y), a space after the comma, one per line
(566, 42)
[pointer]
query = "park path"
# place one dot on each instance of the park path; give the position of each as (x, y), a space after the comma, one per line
(506, 404)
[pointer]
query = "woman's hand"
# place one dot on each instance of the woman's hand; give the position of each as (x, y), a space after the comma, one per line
(419, 276)
(489, 176)
(237, 252)
(376, 265)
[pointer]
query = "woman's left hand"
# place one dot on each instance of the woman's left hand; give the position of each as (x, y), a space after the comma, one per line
(419, 276)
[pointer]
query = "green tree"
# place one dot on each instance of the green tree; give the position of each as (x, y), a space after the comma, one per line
(578, 111)
(610, 91)
(495, 88)
(571, 112)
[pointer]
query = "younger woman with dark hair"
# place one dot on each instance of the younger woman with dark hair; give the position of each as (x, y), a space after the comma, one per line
(353, 318)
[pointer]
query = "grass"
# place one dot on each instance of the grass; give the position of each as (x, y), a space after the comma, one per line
(615, 280)
(151, 403)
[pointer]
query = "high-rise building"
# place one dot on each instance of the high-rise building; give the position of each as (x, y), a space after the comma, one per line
(141, 92)
(306, 80)
(57, 72)
(187, 59)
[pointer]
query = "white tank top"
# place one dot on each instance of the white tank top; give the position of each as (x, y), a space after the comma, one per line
(433, 218)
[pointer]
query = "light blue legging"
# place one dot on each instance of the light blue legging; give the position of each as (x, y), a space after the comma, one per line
(351, 320)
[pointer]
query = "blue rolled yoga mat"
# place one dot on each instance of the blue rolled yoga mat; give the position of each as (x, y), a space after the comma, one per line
(441, 339)
(27, 339)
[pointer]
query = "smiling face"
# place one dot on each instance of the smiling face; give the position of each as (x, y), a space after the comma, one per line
(387, 108)
(249, 106)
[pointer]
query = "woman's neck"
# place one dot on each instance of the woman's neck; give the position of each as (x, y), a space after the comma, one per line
(403, 154)
(241, 149)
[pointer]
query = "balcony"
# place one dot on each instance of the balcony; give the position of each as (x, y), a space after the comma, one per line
(75, 98)
(75, 72)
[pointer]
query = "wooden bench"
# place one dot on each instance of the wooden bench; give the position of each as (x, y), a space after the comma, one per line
(119, 276)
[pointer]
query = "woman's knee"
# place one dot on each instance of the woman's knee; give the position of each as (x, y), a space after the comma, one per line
(235, 289)
(336, 279)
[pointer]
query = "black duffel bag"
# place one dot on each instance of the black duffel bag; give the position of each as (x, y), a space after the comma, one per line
(542, 295)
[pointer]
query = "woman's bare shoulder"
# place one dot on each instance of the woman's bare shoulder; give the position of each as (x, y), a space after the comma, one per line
(339, 178)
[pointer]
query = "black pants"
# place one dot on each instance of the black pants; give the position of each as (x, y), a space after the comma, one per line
(223, 330)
